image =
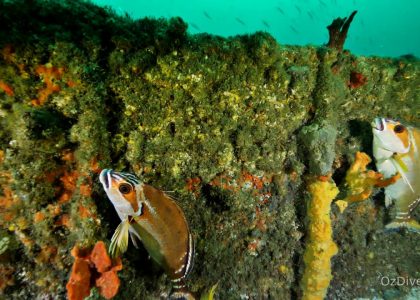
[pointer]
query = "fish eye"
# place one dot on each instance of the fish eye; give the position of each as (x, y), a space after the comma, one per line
(399, 129)
(124, 188)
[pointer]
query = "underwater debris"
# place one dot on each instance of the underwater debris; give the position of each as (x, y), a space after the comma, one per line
(96, 267)
(356, 80)
(320, 246)
(360, 182)
(338, 31)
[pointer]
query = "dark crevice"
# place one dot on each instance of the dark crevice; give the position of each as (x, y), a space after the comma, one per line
(297, 266)
(362, 130)
(112, 112)
(339, 173)
(216, 198)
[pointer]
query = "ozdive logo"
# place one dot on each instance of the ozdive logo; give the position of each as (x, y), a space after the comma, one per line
(398, 280)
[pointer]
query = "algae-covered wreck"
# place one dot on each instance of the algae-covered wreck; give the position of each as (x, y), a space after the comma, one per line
(236, 128)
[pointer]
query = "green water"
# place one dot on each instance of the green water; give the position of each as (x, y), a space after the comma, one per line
(381, 27)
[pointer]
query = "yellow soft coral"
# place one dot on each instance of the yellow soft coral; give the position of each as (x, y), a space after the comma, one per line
(360, 181)
(320, 245)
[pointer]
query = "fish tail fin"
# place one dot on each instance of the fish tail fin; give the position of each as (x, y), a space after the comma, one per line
(180, 291)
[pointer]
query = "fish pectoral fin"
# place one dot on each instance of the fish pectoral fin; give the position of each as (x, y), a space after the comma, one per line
(134, 239)
(402, 169)
(119, 240)
(400, 162)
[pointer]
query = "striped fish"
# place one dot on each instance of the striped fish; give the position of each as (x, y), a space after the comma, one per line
(151, 216)
(396, 149)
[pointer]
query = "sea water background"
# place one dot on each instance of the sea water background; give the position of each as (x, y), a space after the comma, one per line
(381, 27)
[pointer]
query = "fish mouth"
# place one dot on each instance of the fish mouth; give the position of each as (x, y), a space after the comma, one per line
(378, 124)
(103, 177)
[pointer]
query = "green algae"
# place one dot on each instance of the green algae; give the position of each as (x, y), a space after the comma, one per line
(150, 98)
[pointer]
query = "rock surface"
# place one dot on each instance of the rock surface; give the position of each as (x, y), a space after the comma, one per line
(218, 121)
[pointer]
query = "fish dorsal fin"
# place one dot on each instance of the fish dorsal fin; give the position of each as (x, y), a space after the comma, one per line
(119, 240)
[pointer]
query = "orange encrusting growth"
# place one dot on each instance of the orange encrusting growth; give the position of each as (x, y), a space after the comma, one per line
(356, 80)
(68, 186)
(8, 53)
(46, 255)
(7, 199)
(245, 181)
(49, 75)
(78, 286)
(320, 245)
(39, 217)
(361, 181)
(94, 267)
(65, 221)
(193, 185)
(253, 184)
(6, 88)
(68, 179)
(6, 277)
(99, 257)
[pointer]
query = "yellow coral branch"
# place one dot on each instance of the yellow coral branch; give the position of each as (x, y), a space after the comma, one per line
(360, 181)
(320, 245)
